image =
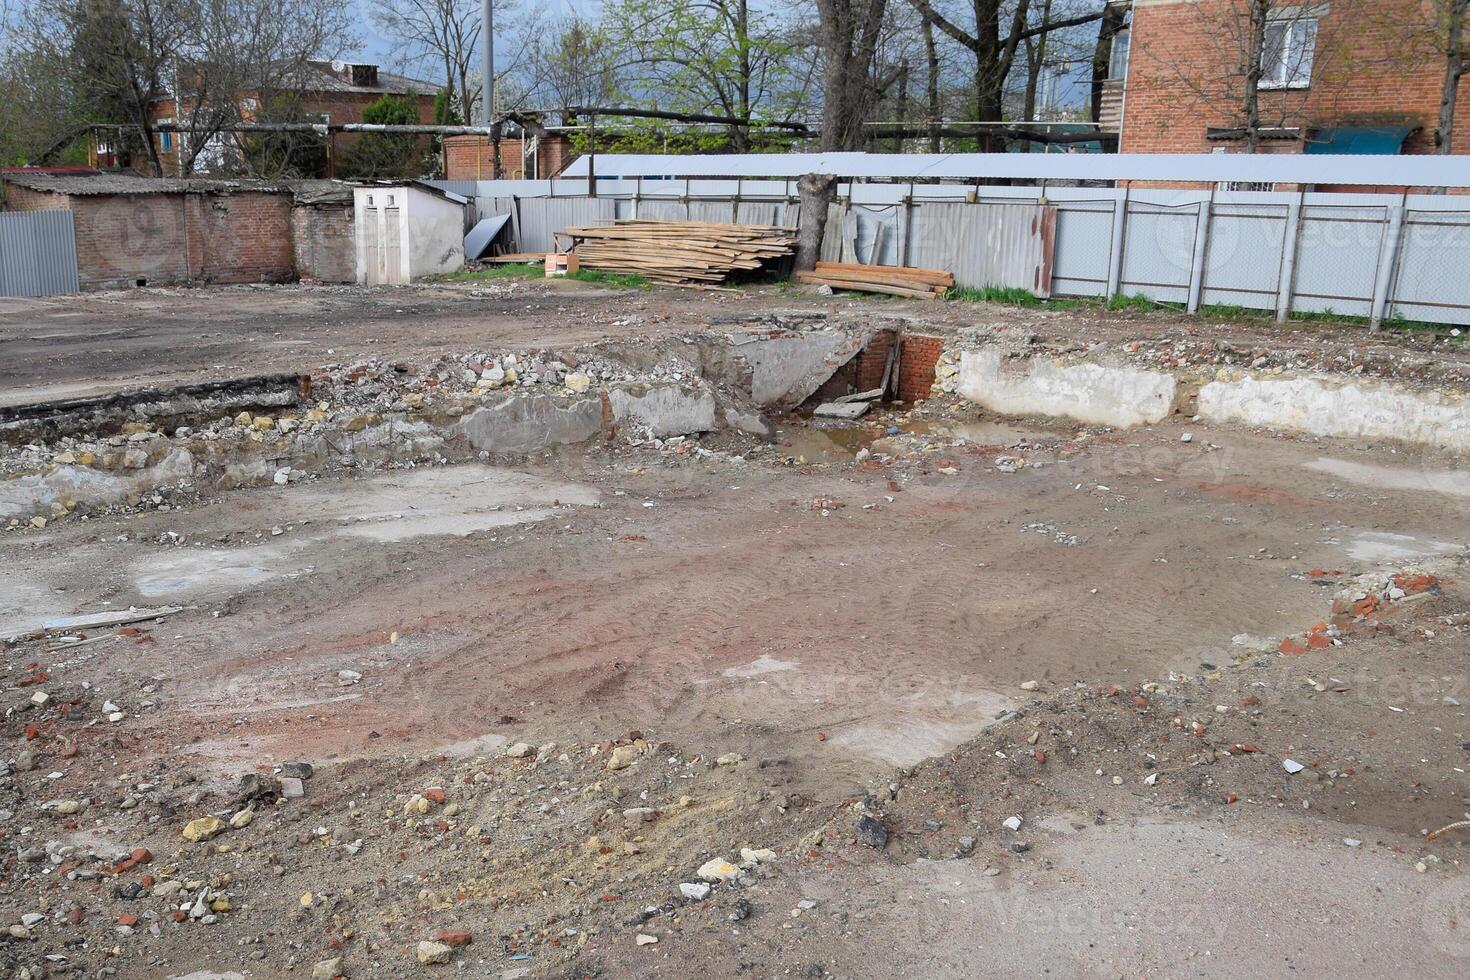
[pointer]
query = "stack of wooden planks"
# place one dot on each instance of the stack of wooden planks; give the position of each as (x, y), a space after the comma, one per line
(895, 280)
(679, 253)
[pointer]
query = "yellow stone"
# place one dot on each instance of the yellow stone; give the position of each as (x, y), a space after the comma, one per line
(203, 828)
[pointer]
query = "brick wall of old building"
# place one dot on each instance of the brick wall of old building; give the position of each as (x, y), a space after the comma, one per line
(322, 241)
(918, 356)
(153, 239)
(1184, 76)
(471, 158)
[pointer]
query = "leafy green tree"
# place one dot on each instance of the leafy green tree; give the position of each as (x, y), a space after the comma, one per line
(717, 57)
(387, 155)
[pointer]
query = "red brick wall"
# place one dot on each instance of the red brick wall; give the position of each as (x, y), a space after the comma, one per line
(1183, 75)
(471, 158)
(174, 238)
(25, 199)
(322, 240)
(243, 237)
(918, 356)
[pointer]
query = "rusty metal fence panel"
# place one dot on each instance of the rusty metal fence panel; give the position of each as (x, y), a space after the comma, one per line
(38, 253)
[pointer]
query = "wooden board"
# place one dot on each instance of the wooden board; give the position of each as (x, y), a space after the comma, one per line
(679, 252)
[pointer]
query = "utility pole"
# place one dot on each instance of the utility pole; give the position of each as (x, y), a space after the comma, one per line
(487, 61)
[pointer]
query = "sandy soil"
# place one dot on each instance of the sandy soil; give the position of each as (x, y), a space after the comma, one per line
(877, 643)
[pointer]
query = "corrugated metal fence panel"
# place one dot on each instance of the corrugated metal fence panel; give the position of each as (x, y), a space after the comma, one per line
(832, 235)
(543, 217)
(1434, 255)
(1157, 251)
(1243, 259)
(985, 244)
(1083, 245)
(1340, 241)
(869, 235)
(38, 253)
(464, 188)
(1337, 259)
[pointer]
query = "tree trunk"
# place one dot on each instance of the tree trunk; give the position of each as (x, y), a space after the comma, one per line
(1035, 62)
(848, 32)
(1455, 68)
(1255, 43)
(931, 55)
(817, 192)
(903, 104)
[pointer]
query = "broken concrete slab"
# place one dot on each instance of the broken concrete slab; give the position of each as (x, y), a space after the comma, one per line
(526, 423)
(841, 410)
(666, 409)
(787, 368)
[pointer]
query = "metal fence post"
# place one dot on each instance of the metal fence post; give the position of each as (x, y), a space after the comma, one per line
(1201, 249)
(1115, 259)
(1286, 277)
(1387, 266)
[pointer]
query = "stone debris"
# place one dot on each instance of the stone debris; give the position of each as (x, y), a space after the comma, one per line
(203, 829)
(718, 870)
(434, 953)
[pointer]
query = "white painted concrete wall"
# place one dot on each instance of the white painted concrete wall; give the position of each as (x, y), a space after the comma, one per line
(1081, 390)
(434, 230)
(1326, 406)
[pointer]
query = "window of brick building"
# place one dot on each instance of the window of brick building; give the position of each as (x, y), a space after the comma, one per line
(1286, 59)
(1118, 57)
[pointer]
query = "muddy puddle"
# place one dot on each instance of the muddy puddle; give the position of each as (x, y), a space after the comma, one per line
(815, 442)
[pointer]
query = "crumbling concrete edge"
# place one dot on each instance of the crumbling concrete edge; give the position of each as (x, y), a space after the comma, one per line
(1107, 390)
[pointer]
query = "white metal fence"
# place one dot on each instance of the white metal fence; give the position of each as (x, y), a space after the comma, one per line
(1372, 255)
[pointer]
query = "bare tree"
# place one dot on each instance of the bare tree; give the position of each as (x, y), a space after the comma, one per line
(995, 52)
(573, 63)
(445, 33)
(245, 58)
(1451, 18)
(849, 32)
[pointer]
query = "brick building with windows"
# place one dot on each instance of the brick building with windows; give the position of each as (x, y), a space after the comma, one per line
(1343, 76)
(327, 92)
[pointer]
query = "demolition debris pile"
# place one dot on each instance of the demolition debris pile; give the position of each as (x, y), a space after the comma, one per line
(680, 253)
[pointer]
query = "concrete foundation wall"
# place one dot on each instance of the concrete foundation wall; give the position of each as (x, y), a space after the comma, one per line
(1085, 391)
(1325, 406)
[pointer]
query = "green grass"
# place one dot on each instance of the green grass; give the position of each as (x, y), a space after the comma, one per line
(610, 279)
(516, 271)
(536, 271)
(1007, 295)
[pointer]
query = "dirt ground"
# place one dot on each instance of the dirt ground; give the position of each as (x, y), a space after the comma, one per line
(538, 696)
(98, 343)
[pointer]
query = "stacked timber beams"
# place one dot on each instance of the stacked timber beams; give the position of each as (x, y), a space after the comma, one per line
(679, 253)
(894, 280)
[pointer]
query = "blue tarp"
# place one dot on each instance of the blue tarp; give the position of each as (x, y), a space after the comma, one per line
(1359, 141)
